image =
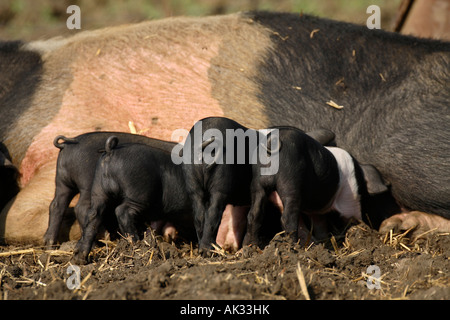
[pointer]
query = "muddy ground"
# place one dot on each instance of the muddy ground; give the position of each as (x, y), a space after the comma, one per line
(154, 269)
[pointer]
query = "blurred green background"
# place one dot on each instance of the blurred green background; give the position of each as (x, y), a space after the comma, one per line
(40, 19)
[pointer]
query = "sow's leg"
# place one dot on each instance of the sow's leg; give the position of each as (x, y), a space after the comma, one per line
(25, 218)
(419, 222)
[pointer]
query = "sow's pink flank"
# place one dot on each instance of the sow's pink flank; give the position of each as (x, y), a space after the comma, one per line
(161, 86)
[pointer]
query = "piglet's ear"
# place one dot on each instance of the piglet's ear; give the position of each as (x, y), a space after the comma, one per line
(375, 183)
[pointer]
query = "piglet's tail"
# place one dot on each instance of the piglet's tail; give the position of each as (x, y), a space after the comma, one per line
(111, 143)
(61, 145)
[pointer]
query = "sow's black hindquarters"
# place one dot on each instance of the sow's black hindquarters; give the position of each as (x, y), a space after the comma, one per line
(394, 89)
(145, 184)
(75, 170)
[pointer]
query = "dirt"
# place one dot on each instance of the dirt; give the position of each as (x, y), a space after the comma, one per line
(155, 269)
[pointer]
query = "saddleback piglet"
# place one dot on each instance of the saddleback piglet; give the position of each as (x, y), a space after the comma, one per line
(311, 180)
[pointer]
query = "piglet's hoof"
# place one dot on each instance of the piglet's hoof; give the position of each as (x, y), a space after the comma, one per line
(79, 258)
(205, 252)
(250, 250)
(51, 246)
(49, 243)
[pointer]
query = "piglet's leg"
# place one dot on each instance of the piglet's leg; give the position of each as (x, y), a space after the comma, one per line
(255, 218)
(126, 219)
(82, 207)
(318, 222)
(212, 221)
(290, 218)
(157, 226)
(319, 226)
(89, 231)
(199, 214)
(303, 233)
(59, 204)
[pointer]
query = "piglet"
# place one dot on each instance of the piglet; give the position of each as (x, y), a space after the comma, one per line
(144, 185)
(311, 180)
(75, 172)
